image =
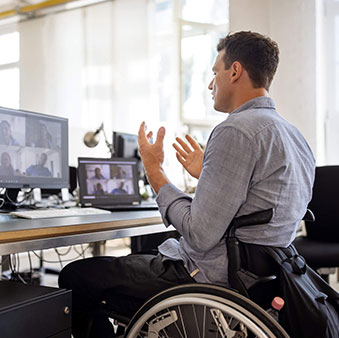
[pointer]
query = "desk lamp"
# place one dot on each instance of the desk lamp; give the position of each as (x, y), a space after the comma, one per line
(92, 138)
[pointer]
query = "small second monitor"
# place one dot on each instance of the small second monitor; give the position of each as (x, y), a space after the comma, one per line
(108, 182)
(125, 145)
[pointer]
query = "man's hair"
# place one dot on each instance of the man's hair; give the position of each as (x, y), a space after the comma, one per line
(257, 53)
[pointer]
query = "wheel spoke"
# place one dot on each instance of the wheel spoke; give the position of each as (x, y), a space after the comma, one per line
(177, 327)
(182, 322)
(204, 323)
(196, 320)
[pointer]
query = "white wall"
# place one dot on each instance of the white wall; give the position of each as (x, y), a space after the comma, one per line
(89, 65)
(291, 23)
(92, 65)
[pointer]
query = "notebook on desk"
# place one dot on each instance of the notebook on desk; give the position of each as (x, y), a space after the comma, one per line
(111, 184)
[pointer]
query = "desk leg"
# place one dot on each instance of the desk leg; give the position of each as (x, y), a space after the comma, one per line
(98, 248)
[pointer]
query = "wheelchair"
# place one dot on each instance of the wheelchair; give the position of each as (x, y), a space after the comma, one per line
(204, 310)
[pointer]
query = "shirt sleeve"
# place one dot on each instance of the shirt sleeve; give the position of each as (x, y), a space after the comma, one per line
(228, 166)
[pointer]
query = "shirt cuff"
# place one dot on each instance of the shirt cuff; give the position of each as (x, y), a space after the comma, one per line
(167, 195)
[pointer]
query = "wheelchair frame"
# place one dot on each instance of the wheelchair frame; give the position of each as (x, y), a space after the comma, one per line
(225, 312)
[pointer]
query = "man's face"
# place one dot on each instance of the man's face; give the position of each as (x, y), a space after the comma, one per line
(97, 172)
(43, 159)
(221, 85)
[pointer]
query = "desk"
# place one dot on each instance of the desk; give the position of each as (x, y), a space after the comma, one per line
(20, 235)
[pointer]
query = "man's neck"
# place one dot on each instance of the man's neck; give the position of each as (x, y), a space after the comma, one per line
(248, 95)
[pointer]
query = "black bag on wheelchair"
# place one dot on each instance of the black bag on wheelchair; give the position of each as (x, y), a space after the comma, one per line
(311, 305)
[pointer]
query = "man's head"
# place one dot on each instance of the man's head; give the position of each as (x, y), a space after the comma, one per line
(43, 159)
(246, 62)
(97, 172)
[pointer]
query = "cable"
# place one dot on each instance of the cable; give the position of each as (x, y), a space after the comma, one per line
(14, 272)
(82, 253)
(30, 265)
(58, 261)
(28, 195)
(65, 253)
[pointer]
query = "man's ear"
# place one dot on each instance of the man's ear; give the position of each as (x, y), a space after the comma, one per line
(236, 71)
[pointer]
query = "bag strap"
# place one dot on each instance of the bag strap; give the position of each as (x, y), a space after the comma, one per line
(290, 256)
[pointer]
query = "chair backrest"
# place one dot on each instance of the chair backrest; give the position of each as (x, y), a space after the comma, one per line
(325, 205)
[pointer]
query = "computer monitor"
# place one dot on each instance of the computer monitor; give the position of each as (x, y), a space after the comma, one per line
(108, 182)
(33, 150)
(125, 145)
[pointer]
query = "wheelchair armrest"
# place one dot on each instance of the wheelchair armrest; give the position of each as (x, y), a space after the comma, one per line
(259, 217)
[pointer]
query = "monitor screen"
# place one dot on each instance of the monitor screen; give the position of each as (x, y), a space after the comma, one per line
(33, 150)
(108, 181)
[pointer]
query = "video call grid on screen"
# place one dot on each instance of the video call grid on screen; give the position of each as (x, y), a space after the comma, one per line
(108, 180)
(33, 150)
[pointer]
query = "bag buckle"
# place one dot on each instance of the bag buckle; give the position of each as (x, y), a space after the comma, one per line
(298, 264)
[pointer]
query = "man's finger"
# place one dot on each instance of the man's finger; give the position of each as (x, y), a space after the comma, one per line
(179, 150)
(193, 142)
(142, 131)
(180, 159)
(160, 135)
(184, 145)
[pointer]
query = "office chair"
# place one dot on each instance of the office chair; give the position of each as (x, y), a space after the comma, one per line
(320, 247)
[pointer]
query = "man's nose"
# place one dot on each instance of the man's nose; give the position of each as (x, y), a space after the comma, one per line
(210, 86)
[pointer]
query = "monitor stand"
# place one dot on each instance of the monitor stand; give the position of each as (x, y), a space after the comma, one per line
(8, 200)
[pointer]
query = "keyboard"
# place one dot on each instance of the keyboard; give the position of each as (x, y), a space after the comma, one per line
(51, 213)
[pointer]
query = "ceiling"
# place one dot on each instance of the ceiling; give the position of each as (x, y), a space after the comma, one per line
(25, 9)
(6, 5)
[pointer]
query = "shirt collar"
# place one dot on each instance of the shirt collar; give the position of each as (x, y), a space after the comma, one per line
(256, 103)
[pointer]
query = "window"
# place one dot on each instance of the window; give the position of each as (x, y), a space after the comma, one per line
(9, 70)
(184, 35)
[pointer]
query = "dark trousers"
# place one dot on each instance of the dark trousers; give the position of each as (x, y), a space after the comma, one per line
(124, 283)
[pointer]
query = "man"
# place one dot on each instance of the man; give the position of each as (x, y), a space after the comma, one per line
(120, 189)
(97, 174)
(254, 160)
(39, 169)
(99, 189)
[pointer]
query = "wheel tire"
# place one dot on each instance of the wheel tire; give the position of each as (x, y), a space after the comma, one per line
(245, 308)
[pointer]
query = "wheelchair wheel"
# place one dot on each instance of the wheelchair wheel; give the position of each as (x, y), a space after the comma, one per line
(202, 311)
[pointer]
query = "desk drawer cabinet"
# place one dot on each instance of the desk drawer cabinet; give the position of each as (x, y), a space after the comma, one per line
(29, 311)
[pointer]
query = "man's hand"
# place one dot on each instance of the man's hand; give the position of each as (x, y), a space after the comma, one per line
(190, 159)
(152, 156)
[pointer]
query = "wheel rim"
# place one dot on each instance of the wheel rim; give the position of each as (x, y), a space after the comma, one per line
(225, 306)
